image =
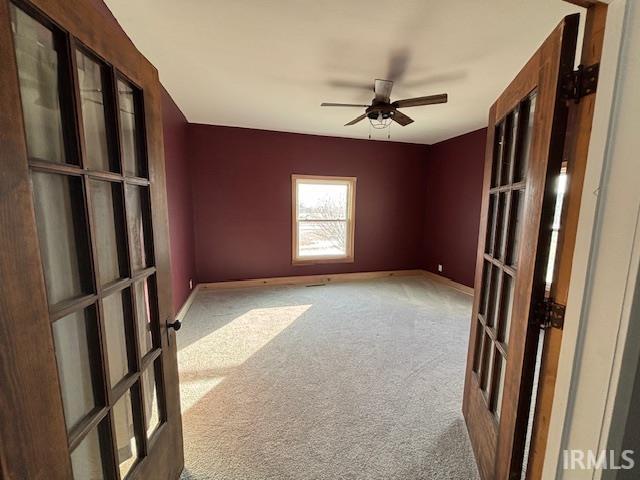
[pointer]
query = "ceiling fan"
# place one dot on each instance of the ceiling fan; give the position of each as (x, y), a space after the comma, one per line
(382, 110)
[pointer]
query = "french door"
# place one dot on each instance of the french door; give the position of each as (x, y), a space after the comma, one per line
(524, 154)
(89, 372)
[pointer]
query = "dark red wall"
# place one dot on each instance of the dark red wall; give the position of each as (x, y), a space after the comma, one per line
(417, 206)
(179, 200)
(454, 193)
(242, 200)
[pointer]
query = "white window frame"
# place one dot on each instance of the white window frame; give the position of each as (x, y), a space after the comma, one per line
(351, 209)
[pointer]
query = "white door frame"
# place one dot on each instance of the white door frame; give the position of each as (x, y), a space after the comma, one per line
(606, 258)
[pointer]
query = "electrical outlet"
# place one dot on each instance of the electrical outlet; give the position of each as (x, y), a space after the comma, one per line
(439, 267)
(190, 284)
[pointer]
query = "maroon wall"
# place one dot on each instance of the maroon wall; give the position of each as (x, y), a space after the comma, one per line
(242, 200)
(179, 200)
(454, 192)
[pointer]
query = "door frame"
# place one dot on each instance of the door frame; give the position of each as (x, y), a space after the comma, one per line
(607, 253)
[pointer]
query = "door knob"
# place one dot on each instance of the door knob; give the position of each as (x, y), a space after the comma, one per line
(175, 325)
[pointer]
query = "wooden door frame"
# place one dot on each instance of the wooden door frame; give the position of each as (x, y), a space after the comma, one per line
(575, 154)
(600, 294)
(31, 447)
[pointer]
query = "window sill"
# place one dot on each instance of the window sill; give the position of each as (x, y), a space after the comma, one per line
(320, 260)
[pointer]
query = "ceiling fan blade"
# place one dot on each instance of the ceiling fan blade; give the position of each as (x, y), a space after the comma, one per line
(398, 64)
(326, 104)
(356, 120)
(416, 102)
(382, 89)
(401, 118)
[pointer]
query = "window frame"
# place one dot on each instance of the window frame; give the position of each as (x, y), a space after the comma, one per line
(351, 209)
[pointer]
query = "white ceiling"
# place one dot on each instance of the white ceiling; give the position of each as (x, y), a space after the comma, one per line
(268, 64)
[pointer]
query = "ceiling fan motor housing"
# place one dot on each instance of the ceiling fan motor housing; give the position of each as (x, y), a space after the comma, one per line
(378, 109)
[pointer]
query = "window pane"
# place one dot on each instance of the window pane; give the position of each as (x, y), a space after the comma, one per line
(126, 444)
(501, 226)
(485, 288)
(137, 208)
(479, 345)
(487, 363)
(322, 239)
(506, 307)
(502, 366)
(498, 151)
(491, 223)
(64, 246)
(516, 220)
(143, 314)
(526, 132)
(108, 222)
(509, 147)
(92, 94)
(151, 397)
(88, 459)
(493, 296)
(129, 135)
(76, 342)
(38, 62)
(115, 327)
(322, 201)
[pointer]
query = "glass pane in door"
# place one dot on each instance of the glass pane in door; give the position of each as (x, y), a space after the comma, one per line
(143, 316)
(116, 314)
(108, 218)
(151, 396)
(38, 59)
(137, 210)
(89, 460)
(92, 99)
(130, 140)
(64, 244)
(77, 349)
(126, 443)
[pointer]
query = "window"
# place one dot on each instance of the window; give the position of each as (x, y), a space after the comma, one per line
(323, 219)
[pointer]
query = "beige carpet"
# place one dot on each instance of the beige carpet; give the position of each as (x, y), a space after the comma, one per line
(358, 380)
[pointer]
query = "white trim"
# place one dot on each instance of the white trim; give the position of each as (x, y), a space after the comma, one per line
(187, 304)
(606, 258)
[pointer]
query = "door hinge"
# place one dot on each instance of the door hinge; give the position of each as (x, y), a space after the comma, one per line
(550, 314)
(580, 82)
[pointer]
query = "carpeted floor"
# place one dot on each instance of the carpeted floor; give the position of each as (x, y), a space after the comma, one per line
(359, 380)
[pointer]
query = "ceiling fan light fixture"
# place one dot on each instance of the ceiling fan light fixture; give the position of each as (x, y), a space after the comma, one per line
(380, 121)
(382, 111)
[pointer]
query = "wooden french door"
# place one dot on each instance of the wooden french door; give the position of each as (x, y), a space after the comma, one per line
(524, 154)
(89, 371)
